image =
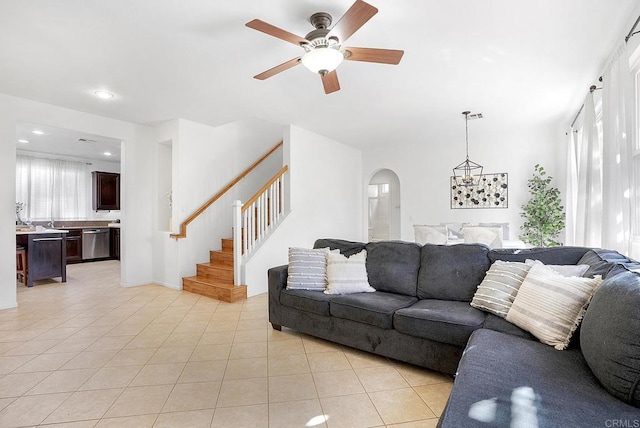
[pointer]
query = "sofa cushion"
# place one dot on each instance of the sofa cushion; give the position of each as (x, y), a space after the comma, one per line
(548, 256)
(346, 248)
(610, 336)
(439, 320)
(451, 272)
(601, 261)
(496, 323)
(393, 266)
(507, 381)
(498, 289)
(306, 300)
(370, 308)
(550, 306)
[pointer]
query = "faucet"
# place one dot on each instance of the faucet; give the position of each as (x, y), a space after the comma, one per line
(51, 223)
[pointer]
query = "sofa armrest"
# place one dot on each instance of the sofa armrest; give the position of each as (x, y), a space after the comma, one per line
(277, 282)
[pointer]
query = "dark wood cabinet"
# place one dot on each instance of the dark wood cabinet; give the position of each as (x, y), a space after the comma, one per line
(46, 257)
(115, 243)
(106, 191)
(74, 246)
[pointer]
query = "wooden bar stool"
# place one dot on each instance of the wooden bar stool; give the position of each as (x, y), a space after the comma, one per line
(21, 265)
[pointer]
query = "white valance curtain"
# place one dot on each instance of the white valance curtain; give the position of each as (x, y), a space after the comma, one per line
(599, 192)
(52, 188)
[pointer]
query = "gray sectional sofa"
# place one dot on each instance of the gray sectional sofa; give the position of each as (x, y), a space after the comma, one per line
(420, 314)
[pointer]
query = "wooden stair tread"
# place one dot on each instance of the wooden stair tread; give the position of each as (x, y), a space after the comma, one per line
(210, 288)
(210, 282)
(215, 266)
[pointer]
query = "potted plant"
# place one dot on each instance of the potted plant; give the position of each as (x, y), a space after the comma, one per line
(544, 213)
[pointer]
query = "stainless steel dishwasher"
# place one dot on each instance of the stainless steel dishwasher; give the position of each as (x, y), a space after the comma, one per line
(95, 243)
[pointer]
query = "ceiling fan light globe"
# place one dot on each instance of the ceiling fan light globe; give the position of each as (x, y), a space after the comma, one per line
(322, 59)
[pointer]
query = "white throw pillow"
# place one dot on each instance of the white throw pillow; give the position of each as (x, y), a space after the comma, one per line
(489, 236)
(307, 269)
(425, 234)
(347, 275)
(564, 270)
(550, 306)
(503, 226)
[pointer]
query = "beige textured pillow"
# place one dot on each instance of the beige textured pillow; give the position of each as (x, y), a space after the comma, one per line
(550, 306)
(499, 287)
(347, 275)
(425, 234)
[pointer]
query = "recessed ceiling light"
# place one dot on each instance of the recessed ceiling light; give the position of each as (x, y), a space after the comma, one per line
(107, 153)
(38, 132)
(23, 141)
(105, 95)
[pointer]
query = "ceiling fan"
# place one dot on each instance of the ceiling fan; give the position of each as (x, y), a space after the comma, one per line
(324, 49)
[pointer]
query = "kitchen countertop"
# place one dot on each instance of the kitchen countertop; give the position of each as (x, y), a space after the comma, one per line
(40, 232)
(114, 225)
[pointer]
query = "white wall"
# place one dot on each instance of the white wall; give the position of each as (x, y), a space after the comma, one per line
(136, 177)
(424, 170)
(326, 193)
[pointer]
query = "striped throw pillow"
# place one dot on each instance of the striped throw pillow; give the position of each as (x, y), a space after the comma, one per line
(307, 269)
(550, 306)
(347, 275)
(499, 287)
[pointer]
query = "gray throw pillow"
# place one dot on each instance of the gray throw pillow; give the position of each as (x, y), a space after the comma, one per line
(610, 336)
(499, 287)
(307, 269)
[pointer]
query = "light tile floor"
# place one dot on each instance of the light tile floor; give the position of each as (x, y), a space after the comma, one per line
(90, 353)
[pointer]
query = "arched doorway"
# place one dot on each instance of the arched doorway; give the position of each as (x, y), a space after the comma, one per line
(384, 206)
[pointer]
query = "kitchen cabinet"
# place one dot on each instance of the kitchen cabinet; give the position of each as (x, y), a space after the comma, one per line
(106, 191)
(115, 243)
(46, 255)
(74, 246)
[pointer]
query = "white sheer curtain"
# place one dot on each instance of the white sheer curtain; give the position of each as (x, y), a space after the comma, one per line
(52, 188)
(589, 199)
(571, 203)
(617, 122)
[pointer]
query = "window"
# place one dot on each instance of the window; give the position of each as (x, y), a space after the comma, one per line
(52, 188)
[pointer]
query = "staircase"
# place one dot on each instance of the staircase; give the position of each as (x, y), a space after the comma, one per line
(215, 279)
(253, 221)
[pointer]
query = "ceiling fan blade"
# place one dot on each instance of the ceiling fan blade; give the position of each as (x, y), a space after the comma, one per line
(277, 69)
(383, 56)
(330, 82)
(274, 31)
(357, 15)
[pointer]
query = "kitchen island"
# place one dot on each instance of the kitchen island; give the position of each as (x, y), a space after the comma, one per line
(46, 253)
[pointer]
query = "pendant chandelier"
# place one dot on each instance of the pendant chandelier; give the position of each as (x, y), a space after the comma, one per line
(468, 172)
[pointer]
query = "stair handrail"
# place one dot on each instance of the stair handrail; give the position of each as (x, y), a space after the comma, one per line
(245, 231)
(225, 189)
(264, 188)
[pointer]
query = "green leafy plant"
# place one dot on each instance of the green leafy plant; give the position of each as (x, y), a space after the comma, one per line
(544, 214)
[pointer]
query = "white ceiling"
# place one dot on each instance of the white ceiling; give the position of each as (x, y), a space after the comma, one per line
(66, 142)
(525, 62)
